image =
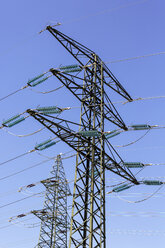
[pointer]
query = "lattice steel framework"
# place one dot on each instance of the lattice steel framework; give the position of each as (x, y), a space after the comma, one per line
(94, 152)
(54, 216)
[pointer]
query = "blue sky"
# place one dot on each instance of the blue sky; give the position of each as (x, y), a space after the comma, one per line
(114, 30)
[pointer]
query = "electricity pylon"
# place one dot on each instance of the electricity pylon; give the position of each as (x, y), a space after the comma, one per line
(94, 151)
(54, 216)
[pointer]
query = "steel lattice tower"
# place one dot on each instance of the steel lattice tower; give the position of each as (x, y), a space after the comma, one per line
(54, 215)
(94, 152)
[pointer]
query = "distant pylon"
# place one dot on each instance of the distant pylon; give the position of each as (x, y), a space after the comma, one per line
(54, 216)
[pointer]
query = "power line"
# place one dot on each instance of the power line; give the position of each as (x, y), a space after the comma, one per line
(99, 13)
(120, 102)
(31, 83)
(143, 148)
(35, 165)
(133, 142)
(47, 92)
(14, 92)
(54, 110)
(29, 168)
(35, 83)
(140, 178)
(85, 17)
(11, 203)
(19, 243)
(142, 98)
(42, 146)
(23, 135)
(19, 156)
(137, 214)
(134, 58)
(142, 200)
(137, 232)
(9, 225)
(131, 195)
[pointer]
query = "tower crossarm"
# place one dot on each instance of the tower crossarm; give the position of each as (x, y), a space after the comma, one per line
(111, 81)
(62, 129)
(83, 93)
(77, 50)
(86, 58)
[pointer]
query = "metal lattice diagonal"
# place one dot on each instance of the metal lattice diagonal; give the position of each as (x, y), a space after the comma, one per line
(94, 152)
(54, 216)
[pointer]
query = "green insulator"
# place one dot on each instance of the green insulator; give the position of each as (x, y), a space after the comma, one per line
(141, 127)
(91, 133)
(49, 110)
(112, 134)
(121, 188)
(11, 119)
(73, 70)
(38, 82)
(133, 164)
(47, 146)
(152, 182)
(68, 67)
(16, 122)
(43, 143)
(35, 78)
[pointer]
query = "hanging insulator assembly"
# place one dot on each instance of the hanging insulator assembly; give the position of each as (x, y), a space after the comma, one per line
(121, 188)
(33, 82)
(112, 134)
(44, 145)
(13, 121)
(49, 110)
(141, 127)
(152, 182)
(133, 164)
(69, 67)
(91, 133)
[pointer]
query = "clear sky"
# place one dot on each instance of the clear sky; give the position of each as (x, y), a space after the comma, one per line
(115, 30)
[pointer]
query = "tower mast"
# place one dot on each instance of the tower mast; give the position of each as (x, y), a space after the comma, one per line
(94, 152)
